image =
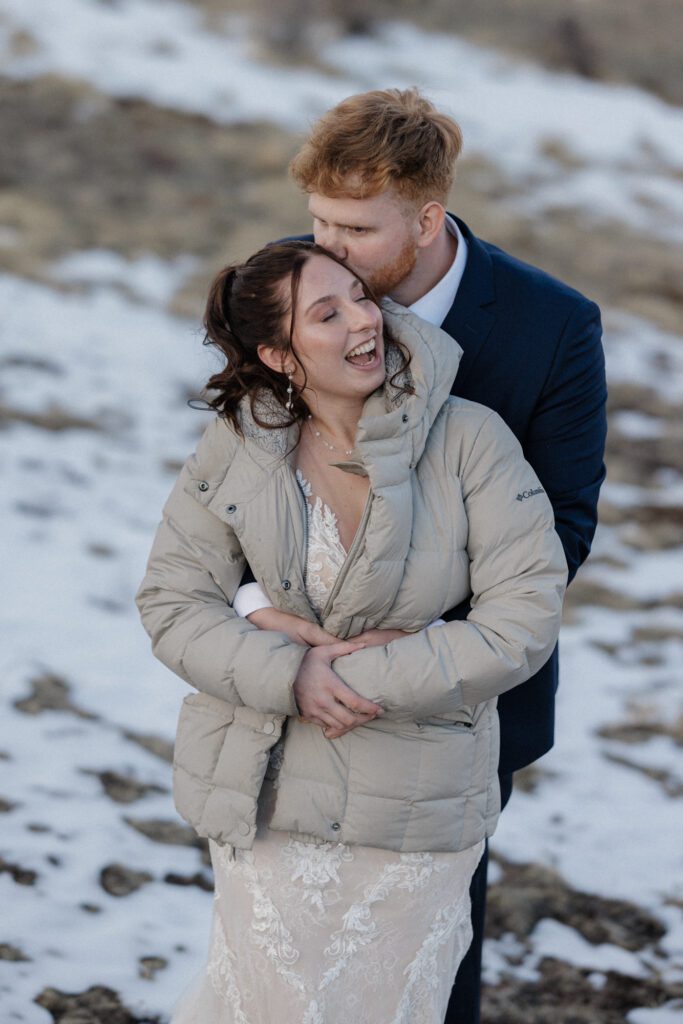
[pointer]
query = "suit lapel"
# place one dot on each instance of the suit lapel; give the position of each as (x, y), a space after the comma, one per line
(472, 315)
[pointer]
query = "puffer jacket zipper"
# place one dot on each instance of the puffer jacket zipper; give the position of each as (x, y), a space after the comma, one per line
(306, 519)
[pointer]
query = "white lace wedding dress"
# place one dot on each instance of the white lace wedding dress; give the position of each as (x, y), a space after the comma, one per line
(307, 933)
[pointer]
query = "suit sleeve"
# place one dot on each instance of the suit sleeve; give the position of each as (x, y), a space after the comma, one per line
(518, 575)
(193, 572)
(565, 442)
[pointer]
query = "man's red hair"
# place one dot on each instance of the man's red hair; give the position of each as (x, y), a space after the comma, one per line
(377, 140)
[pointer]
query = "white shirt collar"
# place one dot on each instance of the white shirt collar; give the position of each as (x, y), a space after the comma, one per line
(434, 306)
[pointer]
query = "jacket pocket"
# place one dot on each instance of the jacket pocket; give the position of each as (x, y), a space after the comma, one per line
(220, 759)
(462, 720)
(201, 732)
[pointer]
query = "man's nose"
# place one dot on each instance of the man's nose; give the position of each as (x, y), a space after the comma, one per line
(332, 240)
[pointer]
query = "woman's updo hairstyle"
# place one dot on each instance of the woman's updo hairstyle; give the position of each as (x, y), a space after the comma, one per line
(248, 307)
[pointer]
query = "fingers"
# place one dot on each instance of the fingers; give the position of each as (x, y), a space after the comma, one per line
(342, 647)
(322, 697)
(354, 702)
(328, 721)
(335, 734)
(331, 724)
(336, 715)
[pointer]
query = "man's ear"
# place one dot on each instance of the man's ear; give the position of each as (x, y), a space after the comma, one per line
(274, 358)
(430, 221)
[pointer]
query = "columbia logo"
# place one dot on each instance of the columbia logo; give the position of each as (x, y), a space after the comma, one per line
(530, 494)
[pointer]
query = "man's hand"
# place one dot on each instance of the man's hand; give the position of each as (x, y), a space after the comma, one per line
(298, 629)
(323, 699)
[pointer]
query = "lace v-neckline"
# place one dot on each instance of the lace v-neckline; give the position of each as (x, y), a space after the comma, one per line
(325, 553)
(325, 515)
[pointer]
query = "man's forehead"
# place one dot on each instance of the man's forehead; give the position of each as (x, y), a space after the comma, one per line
(347, 210)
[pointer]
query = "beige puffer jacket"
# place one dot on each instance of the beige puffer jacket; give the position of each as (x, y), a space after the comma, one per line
(453, 510)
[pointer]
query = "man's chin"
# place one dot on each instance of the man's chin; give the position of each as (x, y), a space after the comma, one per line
(387, 279)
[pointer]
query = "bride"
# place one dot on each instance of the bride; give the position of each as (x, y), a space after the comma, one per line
(344, 769)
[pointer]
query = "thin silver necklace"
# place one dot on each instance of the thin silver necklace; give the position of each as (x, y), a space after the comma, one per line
(330, 447)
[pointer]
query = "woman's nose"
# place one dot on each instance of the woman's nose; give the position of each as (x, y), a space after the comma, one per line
(362, 316)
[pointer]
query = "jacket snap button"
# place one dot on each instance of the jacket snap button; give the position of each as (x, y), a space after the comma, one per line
(404, 417)
(335, 826)
(202, 485)
(286, 585)
(243, 828)
(231, 508)
(269, 727)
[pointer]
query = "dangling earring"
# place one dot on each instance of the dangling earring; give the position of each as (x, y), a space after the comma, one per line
(290, 391)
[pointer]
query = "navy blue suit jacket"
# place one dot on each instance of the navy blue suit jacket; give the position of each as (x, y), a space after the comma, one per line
(533, 352)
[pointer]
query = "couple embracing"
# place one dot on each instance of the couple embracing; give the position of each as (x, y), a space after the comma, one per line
(361, 571)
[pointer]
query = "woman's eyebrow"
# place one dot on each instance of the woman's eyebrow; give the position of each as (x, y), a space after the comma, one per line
(323, 298)
(327, 298)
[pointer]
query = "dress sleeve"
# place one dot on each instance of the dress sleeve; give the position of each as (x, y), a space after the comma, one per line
(518, 575)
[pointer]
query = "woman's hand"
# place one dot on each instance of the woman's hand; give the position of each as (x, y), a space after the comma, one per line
(322, 697)
(379, 637)
(298, 629)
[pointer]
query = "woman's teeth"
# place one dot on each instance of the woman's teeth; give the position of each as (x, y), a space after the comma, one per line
(364, 353)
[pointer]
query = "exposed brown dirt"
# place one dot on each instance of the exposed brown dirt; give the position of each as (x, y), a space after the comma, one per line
(12, 953)
(529, 892)
(562, 993)
(50, 693)
(138, 179)
(22, 876)
(119, 880)
(565, 995)
(123, 789)
(157, 745)
(97, 1005)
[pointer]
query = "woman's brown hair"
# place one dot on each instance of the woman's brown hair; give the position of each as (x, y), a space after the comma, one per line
(247, 307)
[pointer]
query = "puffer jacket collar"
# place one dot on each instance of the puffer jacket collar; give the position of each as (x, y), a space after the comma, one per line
(394, 427)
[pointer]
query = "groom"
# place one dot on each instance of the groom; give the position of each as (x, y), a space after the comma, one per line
(377, 169)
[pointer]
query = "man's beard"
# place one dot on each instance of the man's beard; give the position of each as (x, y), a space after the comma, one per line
(386, 279)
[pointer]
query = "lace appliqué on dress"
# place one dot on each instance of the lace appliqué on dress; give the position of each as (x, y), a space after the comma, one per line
(332, 934)
(326, 554)
(317, 869)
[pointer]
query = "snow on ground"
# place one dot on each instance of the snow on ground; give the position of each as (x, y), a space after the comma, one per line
(79, 509)
(79, 506)
(625, 147)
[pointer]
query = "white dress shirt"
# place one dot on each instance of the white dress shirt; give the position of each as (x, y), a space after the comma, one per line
(433, 307)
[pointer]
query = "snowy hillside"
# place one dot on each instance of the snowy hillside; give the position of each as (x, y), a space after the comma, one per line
(100, 883)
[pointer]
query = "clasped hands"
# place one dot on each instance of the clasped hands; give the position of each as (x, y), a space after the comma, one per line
(322, 697)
